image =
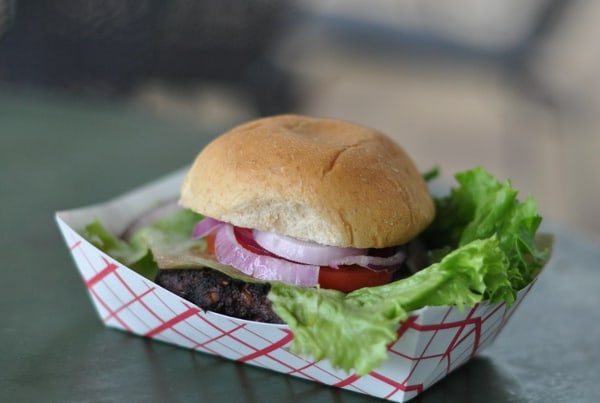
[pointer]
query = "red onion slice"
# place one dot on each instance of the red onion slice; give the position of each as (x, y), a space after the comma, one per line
(230, 252)
(205, 227)
(312, 253)
(372, 262)
(303, 251)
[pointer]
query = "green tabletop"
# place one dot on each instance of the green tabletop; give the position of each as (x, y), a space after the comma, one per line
(58, 153)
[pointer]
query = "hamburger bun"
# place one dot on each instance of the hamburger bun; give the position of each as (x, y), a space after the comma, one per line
(322, 180)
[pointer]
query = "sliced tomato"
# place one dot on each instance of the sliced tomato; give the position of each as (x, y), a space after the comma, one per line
(350, 278)
(210, 243)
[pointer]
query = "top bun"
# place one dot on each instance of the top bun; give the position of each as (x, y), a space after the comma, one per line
(320, 180)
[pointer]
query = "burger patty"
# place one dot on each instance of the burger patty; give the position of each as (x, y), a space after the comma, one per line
(214, 291)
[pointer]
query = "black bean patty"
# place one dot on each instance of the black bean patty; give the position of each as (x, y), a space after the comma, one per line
(214, 291)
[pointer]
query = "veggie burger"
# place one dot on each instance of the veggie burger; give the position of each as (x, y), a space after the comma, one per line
(328, 227)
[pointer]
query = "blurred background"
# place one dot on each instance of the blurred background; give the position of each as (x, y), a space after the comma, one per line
(513, 86)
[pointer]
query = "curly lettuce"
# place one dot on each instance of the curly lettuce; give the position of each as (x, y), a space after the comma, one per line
(484, 249)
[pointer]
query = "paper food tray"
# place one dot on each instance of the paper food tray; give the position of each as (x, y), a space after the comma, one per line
(431, 343)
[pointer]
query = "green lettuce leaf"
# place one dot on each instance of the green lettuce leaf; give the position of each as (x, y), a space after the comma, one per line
(353, 330)
(431, 174)
(484, 249)
(171, 232)
(482, 207)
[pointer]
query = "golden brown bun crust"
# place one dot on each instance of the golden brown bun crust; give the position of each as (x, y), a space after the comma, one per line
(322, 180)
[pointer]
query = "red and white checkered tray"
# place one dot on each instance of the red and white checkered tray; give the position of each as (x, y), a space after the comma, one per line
(430, 344)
